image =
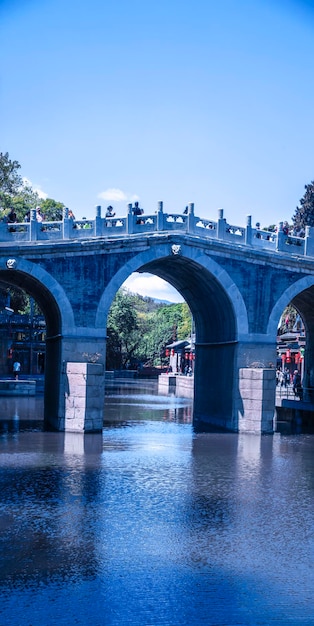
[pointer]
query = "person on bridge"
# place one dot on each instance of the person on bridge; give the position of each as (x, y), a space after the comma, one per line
(39, 215)
(11, 219)
(285, 228)
(138, 211)
(110, 212)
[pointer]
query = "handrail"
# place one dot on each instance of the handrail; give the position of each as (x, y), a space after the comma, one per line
(158, 222)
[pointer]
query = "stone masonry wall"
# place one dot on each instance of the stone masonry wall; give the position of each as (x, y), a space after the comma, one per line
(257, 388)
(84, 397)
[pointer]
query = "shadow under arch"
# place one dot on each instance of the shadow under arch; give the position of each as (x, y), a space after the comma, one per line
(59, 318)
(219, 314)
(301, 296)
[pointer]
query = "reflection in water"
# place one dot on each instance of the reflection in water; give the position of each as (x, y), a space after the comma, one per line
(150, 523)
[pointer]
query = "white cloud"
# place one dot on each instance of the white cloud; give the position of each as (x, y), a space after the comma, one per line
(113, 195)
(152, 287)
(28, 183)
(117, 195)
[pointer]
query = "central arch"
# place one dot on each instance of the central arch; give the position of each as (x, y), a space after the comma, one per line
(219, 314)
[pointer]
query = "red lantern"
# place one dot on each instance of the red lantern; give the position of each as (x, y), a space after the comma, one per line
(283, 358)
(167, 352)
(288, 356)
(191, 356)
(172, 352)
(297, 358)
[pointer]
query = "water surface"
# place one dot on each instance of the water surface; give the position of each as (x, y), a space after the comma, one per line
(150, 523)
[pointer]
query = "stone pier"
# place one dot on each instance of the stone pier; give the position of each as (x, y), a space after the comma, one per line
(257, 390)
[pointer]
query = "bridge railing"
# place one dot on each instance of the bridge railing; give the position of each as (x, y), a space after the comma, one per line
(131, 224)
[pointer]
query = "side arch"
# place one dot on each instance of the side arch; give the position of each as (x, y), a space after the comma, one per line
(59, 317)
(286, 298)
(46, 290)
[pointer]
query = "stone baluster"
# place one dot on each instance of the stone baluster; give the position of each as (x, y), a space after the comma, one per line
(130, 220)
(221, 225)
(248, 230)
(33, 225)
(309, 241)
(280, 238)
(66, 224)
(98, 221)
(160, 216)
(191, 219)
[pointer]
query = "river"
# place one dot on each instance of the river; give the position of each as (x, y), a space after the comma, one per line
(150, 524)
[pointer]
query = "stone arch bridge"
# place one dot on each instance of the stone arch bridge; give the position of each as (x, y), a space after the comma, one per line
(236, 281)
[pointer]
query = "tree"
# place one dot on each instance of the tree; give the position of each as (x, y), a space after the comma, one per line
(16, 193)
(14, 298)
(304, 213)
(169, 323)
(25, 200)
(10, 180)
(123, 330)
(52, 210)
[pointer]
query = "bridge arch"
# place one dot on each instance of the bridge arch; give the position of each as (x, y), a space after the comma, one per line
(301, 296)
(58, 314)
(159, 260)
(220, 318)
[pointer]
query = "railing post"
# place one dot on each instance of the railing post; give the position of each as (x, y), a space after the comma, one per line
(190, 219)
(66, 224)
(160, 216)
(33, 225)
(248, 230)
(130, 220)
(221, 225)
(281, 238)
(98, 221)
(309, 241)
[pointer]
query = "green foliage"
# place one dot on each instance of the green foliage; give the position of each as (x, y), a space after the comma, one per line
(14, 298)
(52, 210)
(21, 196)
(288, 319)
(123, 331)
(24, 201)
(10, 180)
(139, 329)
(304, 213)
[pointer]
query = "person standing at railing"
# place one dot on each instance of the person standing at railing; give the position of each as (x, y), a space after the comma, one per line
(110, 212)
(39, 215)
(285, 228)
(138, 211)
(11, 219)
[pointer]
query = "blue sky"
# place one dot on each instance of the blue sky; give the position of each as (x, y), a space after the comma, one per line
(108, 101)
